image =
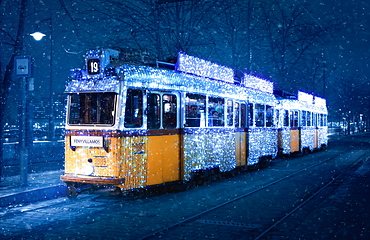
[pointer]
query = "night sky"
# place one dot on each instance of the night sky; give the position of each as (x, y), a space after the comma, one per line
(351, 45)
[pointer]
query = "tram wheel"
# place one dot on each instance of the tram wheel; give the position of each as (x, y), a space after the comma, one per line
(117, 191)
(71, 192)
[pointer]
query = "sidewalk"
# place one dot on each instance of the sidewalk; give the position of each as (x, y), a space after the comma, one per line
(41, 186)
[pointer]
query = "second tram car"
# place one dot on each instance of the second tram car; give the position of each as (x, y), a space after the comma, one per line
(302, 123)
(133, 126)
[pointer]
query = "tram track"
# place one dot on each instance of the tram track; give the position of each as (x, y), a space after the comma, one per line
(260, 188)
(353, 167)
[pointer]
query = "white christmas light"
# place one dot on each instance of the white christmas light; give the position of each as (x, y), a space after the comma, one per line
(320, 102)
(305, 97)
(258, 83)
(203, 68)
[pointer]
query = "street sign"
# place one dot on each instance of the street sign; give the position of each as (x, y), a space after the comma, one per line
(22, 66)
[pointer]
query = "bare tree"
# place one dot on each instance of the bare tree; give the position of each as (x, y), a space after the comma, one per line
(14, 37)
(290, 34)
(161, 27)
(186, 25)
(236, 33)
(315, 71)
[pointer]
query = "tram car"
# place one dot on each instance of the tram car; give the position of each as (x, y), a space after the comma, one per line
(133, 126)
(301, 122)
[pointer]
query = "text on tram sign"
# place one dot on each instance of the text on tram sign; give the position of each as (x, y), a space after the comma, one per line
(86, 141)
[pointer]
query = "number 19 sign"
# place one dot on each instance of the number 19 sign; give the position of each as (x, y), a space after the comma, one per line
(93, 66)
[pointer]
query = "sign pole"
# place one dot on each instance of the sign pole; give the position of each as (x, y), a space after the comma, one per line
(23, 71)
(23, 136)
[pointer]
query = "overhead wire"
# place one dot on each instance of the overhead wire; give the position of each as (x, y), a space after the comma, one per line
(313, 18)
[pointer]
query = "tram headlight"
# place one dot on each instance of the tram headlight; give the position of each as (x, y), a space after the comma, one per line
(88, 169)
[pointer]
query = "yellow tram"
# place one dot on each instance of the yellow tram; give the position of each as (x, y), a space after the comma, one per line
(302, 123)
(132, 126)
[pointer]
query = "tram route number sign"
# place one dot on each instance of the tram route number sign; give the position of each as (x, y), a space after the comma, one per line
(87, 141)
(93, 66)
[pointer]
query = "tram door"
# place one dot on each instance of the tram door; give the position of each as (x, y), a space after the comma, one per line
(163, 137)
(316, 136)
(295, 132)
(241, 134)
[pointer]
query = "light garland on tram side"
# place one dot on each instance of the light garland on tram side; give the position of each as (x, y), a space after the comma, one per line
(203, 68)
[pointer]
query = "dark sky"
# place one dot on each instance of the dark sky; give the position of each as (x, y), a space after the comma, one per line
(347, 51)
(350, 47)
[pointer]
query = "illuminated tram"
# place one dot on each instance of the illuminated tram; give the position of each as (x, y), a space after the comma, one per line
(135, 126)
(302, 123)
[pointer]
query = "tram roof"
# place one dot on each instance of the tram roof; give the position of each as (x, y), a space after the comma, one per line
(163, 79)
(154, 78)
(293, 104)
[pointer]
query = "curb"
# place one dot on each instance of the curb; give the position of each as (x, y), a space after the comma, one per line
(34, 195)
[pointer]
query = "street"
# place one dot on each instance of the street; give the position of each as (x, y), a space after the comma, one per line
(323, 195)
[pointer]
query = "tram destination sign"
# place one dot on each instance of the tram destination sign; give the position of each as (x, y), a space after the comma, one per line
(87, 141)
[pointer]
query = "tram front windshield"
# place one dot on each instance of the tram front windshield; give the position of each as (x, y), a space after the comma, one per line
(92, 109)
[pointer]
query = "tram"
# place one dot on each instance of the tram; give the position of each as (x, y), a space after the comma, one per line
(302, 123)
(133, 126)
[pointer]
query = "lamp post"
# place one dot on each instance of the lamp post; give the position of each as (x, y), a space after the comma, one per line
(38, 37)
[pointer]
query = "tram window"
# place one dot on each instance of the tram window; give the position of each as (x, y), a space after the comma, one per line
(250, 114)
(291, 118)
(321, 120)
(195, 106)
(294, 119)
(243, 110)
(269, 116)
(277, 116)
(286, 118)
(134, 109)
(237, 115)
(314, 119)
(260, 115)
(92, 108)
(309, 119)
(230, 113)
(325, 120)
(303, 119)
(215, 112)
(169, 111)
(153, 108)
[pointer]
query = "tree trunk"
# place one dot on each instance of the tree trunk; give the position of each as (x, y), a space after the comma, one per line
(7, 80)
